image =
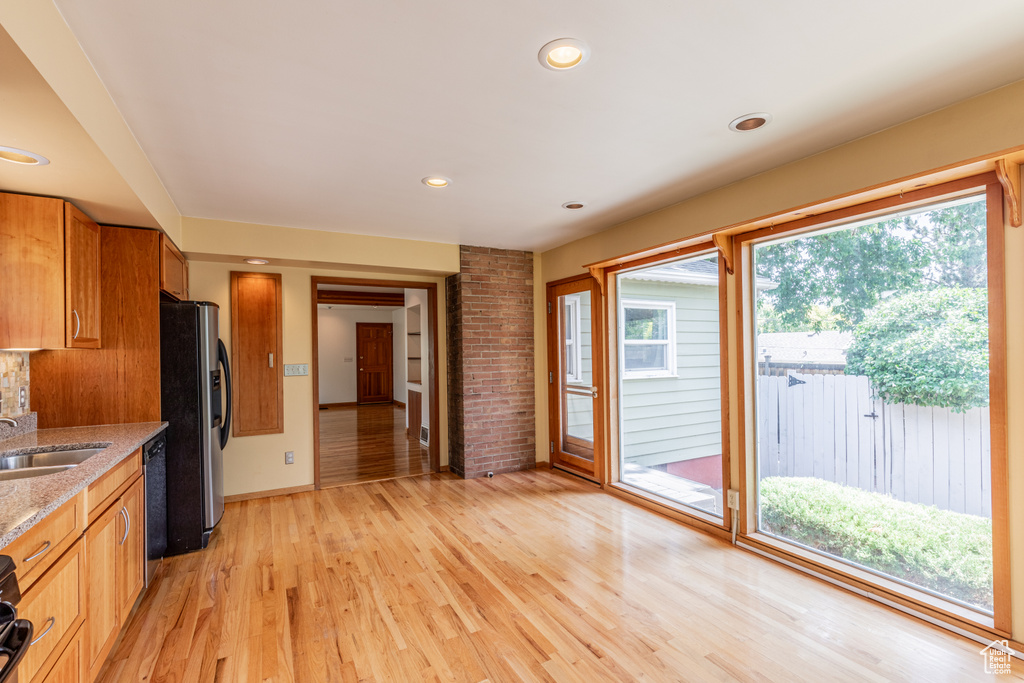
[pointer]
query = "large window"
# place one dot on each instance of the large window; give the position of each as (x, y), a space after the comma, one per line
(670, 420)
(873, 438)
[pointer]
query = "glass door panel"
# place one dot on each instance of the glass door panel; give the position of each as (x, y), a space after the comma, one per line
(572, 376)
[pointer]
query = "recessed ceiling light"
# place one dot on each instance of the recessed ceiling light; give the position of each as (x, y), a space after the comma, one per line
(573, 205)
(564, 53)
(436, 181)
(257, 261)
(750, 122)
(21, 156)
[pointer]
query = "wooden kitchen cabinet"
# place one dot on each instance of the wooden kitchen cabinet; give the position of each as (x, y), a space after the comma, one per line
(131, 561)
(55, 606)
(256, 364)
(68, 668)
(81, 280)
(49, 274)
(115, 575)
(173, 270)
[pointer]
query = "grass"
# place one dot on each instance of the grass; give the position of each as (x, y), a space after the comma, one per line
(947, 552)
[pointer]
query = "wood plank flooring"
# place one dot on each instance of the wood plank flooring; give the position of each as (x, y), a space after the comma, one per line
(532, 576)
(367, 443)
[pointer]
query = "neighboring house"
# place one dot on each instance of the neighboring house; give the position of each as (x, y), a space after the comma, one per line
(671, 395)
(806, 352)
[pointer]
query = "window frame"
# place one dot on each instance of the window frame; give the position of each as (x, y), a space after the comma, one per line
(840, 571)
(671, 343)
(573, 316)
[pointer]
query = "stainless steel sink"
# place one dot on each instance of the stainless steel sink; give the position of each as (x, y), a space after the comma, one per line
(40, 464)
(7, 475)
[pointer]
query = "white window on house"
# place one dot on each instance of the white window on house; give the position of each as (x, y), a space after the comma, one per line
(573, 341)
(648, 338)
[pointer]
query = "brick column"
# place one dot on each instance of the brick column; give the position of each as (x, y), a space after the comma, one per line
(491, 407)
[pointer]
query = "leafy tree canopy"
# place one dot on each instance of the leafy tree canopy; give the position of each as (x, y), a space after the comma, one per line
(830, 279)
(926, 348)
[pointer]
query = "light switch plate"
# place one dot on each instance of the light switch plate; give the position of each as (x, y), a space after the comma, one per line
(294, 370)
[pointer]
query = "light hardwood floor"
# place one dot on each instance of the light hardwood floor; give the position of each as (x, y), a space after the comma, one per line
(532, 576)
(367, 443)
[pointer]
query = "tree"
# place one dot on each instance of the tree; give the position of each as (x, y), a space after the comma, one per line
(850, 270)
(926, 348)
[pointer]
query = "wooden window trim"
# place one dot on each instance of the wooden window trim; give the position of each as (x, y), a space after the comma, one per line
(236, 276)
(989, 184)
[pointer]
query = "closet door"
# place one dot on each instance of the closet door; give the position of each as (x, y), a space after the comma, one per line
(257, 369)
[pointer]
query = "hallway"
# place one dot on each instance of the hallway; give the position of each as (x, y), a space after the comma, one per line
(367, 443)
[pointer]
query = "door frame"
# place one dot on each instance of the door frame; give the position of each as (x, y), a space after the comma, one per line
(598, 368)
(434, 447)
(391, 357)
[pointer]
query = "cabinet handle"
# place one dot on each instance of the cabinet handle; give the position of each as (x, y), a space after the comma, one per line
(78, 324)
(51, 621)
(127, 525)
(46, 546)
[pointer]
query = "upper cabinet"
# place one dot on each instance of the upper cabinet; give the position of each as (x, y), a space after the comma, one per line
(81, 280)
(173, 270)
(50, 275)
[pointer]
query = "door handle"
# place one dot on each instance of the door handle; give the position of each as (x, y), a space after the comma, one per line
(127, 525)
(78, 328)
(51, 621)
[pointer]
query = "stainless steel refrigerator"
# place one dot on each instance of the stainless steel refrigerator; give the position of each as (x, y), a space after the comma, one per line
(195, 382)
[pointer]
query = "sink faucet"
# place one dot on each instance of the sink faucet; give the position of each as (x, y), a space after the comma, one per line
(9, 420)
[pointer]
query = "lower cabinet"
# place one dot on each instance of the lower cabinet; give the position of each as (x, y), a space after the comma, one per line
(116, 574)
(81, 587)
(55, 606)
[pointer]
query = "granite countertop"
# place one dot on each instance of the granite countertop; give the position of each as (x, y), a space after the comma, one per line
(23, 502)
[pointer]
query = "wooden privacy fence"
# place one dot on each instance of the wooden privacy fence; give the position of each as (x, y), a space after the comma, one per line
(832, 428)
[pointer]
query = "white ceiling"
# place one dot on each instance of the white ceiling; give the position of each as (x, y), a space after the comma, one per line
(32, 117)
(324, 114)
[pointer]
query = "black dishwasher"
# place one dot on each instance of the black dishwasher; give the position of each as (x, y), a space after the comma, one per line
(154, 462)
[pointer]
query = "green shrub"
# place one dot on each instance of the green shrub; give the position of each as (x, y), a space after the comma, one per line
(927, 348)
(947, 552)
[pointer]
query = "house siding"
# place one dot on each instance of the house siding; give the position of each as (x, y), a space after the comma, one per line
(672, 419)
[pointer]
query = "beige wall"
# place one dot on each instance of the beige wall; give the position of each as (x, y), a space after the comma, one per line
(981, 126)
(256, 463)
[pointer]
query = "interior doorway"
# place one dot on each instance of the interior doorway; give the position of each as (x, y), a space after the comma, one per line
(374, 380)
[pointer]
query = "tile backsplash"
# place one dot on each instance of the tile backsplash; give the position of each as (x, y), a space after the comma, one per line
(13, 376)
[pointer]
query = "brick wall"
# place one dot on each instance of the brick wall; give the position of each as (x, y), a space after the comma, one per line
(490, 363)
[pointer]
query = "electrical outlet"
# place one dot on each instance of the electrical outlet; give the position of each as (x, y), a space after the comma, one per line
(296, 370)
(289, 457)
(23, 397)
(734, 499)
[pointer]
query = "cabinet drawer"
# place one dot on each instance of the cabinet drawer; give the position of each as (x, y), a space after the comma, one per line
(68, 668)
(107, 488)
(37, 548)
(55, 607)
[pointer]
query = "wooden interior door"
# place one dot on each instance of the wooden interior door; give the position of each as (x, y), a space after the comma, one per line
(256, 364)
(575, 368)
(374, 381)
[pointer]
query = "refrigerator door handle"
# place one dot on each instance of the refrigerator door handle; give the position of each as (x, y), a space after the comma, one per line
(222, 356)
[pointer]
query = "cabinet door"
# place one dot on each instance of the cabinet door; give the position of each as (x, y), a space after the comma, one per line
(81, 280)
(172, 269)
(31, 272)
(131, 561)
(256, 364)
(68, 668)
(102, 622)
(54, 605)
